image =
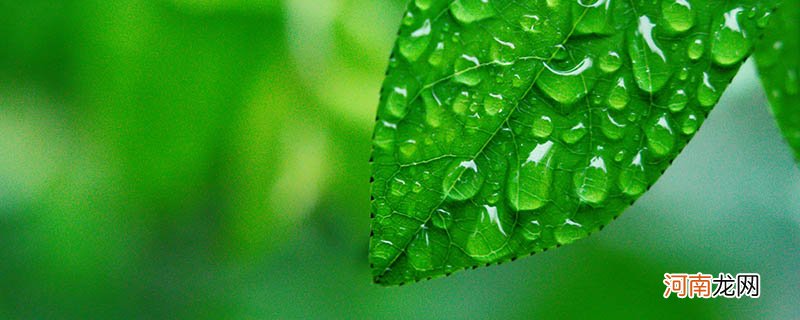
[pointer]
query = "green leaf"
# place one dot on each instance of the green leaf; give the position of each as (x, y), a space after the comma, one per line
(778, 58)
(506, 128)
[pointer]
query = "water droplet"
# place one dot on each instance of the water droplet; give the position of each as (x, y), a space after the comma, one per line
(574, 134)
(542, 127)
(565, 86)
(707, 94)
(467, 70)
(678, 14)
(730, 42)
(419, 251)
(461, 103)
(591, 183)
(611, 128)
(660, 137)
(569, 232)
(396, 103)
(468, 11)
(619, 156)
(436, 57)
(696, 49)
(529, 184)
(531, 230)
(493, 104)
(690, 124)
(414, 45)
(632, 179)
(408, 18)
(423, 4)
(611, 62)
(442, 219)
(408, 150)
(595, 16)
(530, 23)
(462, 181)
(385, 135)
(618, 96)
(678, 101)
(488, 239)
(434, 112)
(650, 66)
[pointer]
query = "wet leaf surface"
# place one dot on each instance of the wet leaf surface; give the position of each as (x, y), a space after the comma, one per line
(506, 128)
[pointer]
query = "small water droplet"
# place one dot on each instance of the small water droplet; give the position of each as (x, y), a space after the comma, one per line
(611, 62)
(618, 96)
(442, 219)
(467, 70)
(632, 179)
(531, 230)
(462, 181)
(436, 57)
(707, 94)
(660, 137)
(611, 128)
(530, 23)
(678, 101)
(690, 124)
(574, 134)
(678, 14)
(695, 49)
(542, 127)
(468, 11)
(493, 104)
(414, 45)
(569, 232)
(396, 103)
(591, 183)
(565, 86)
(529, 183)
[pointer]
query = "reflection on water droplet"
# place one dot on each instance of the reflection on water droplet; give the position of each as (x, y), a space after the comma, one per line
(493, 104)
(707, 94)
(574, 134)
(696, 49)
(610, 62)
(396, 103)
(531, 230)
(611, 128)
(690, 124)
(419, 251)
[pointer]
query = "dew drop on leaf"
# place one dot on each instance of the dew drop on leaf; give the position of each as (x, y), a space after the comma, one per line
(462, 181)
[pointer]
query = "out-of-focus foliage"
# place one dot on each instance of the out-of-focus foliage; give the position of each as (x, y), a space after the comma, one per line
(208, 159)
(778, 58)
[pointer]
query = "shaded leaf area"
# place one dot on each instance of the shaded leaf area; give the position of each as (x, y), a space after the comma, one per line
(506, 128)
(778, 58)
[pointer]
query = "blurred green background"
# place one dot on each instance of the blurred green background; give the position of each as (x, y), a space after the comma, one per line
(208, 159)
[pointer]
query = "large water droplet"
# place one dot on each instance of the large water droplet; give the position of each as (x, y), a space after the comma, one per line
(632, 179)
(529, 185)
(468, 11)
(650, 65)
(730, 42)
(414, 45)
(678, 14)
(462, 181)
(565, 86)
(591, 183)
